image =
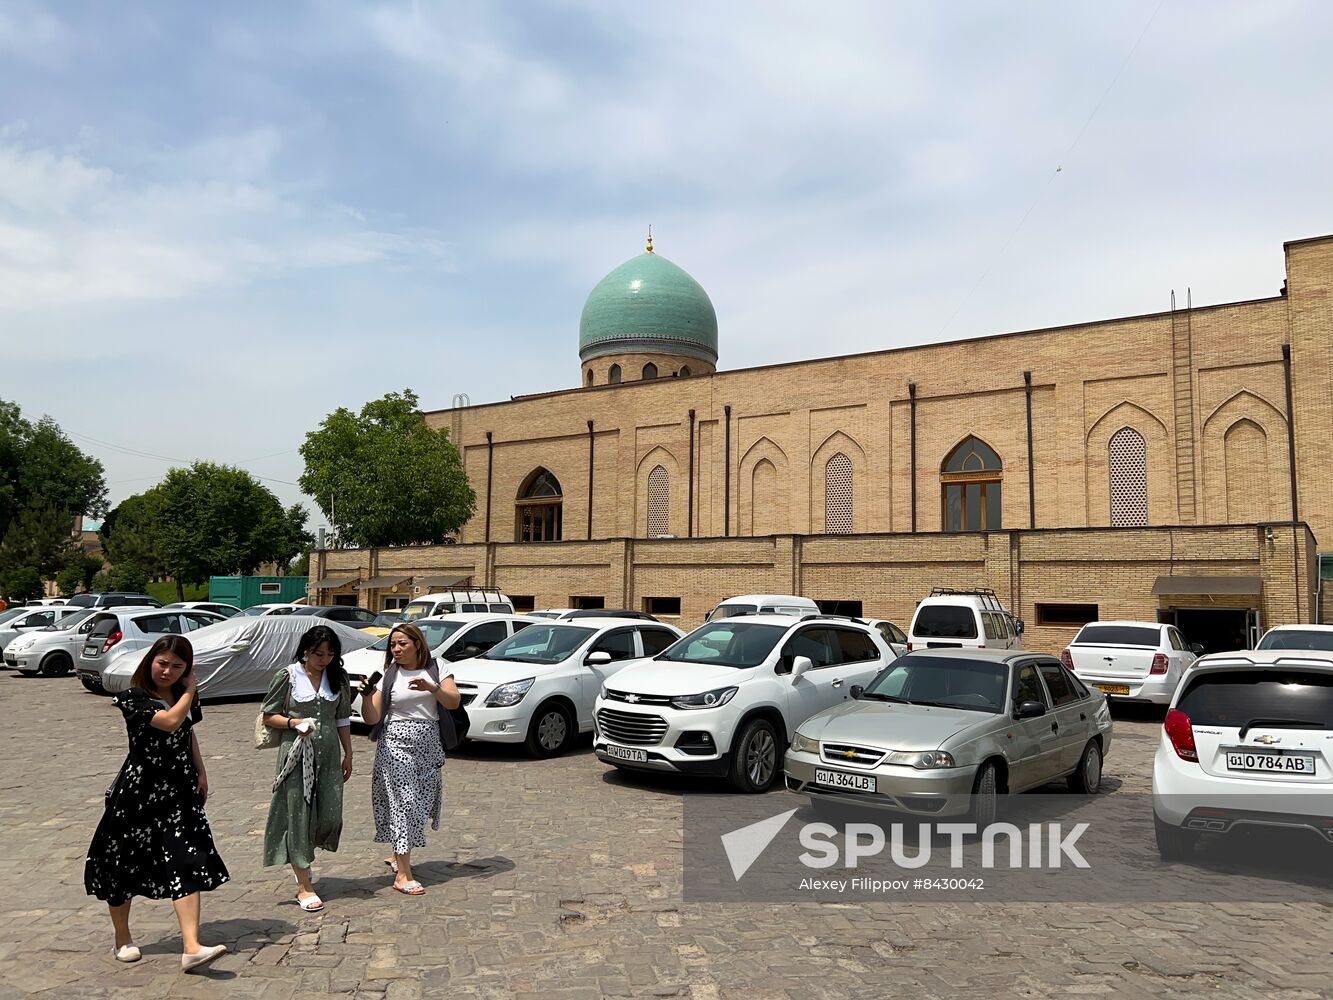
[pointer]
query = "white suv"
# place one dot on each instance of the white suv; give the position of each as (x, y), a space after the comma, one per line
(725, 700)
(1248, 741)
(538, 686)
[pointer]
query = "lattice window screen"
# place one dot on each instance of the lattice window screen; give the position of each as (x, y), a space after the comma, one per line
(838, 495)
(1127, 457)
(658, 502)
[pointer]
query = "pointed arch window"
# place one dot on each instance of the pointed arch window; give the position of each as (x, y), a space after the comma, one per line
(650, 370)
(970, 480)
(589, 377)
(1127, 474)
(685, 371)
(539, 508)
(838, 496)
(613, 377)
(659, 502)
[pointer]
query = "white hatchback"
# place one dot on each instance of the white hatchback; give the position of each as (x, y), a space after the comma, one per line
(1248, 741)
(538, 687)
(127, 630)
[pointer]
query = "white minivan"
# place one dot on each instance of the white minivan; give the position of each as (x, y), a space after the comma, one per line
(963, 619)
(454, 602)
(763, 604)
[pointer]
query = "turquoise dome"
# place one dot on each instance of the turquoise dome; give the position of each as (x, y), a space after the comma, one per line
(648, 305)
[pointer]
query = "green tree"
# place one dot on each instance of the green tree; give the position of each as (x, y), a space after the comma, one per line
(214, 519)
(130, 533)
(79, 570)
(23, 584)
(383, 477)
(41, 537)
(124, 576)
(40, 465)
(300, 565)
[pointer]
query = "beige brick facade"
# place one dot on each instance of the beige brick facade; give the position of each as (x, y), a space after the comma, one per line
(1201, 396)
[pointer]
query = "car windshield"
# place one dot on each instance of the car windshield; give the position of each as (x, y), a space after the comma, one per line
(1297, 639)
(942, 682)
(726, 644)
(435, 632)
(945, 621)
(418, 609)
(1274, 695)
(1120, 635)
(387, 619)
(253, 612)
(69, 621)
(540, 644)
(733, 611)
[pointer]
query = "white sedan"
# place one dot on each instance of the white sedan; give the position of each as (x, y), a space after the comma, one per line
(538, 687)
(239, 655)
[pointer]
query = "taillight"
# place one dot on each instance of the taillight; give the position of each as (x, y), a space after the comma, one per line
(909, 647)
(111, 640)
(1067, 658)
(1160, 664)
(1180, 732)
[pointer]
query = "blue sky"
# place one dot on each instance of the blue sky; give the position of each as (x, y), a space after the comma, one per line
(219, 222)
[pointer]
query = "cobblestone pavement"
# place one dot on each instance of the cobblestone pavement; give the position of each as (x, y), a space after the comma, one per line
(559, 879)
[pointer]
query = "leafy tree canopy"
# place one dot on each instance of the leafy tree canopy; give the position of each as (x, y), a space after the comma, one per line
(40, 465)
(383, 477)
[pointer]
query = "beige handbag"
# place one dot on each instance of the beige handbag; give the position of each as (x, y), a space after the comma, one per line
(266, 737)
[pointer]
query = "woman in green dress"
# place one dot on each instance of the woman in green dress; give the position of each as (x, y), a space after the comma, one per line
(311, 702)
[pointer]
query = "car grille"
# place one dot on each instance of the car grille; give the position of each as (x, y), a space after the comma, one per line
(638, 699)
(847, 753)
(631, 727)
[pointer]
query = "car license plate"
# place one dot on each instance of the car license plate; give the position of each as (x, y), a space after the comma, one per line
(841, 779)
(627, 753)
(1274, 763)
(1112, 688)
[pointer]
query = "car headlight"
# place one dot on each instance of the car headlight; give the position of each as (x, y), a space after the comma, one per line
(509, 694)
(709, 699)
(804, 744)
(923, 760)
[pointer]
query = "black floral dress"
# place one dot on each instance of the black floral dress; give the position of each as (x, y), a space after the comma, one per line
(154, 838)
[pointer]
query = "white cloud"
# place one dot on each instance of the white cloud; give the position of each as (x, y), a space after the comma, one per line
(74, 232)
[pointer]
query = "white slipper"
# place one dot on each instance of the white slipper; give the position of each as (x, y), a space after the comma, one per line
(202, 957)
(127, 953)
(311, 904)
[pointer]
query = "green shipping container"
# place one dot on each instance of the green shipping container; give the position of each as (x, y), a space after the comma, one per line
(246, 591)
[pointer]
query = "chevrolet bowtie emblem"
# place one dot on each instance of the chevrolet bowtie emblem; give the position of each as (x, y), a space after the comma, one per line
(849, 754)
(631, 698)
(1268, 740)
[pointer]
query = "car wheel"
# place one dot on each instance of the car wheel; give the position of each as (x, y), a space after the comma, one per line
(1174, 843)
(94, 686)
(552, 730)
(1088, 775)
(755, 758)
(56, 665)
(985, 797)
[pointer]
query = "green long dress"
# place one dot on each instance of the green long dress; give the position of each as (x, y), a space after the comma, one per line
(295, 828)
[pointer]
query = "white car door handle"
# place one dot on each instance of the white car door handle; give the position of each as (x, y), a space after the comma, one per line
(838, 683)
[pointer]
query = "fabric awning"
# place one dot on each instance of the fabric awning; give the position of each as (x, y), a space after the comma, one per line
(1208, 585)
(431, 582)
(332, 582)
(382, 581)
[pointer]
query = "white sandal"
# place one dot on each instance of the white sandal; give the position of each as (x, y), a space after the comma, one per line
(311, 904)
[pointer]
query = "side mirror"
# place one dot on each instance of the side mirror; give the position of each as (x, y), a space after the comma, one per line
(799, 665)
(598, 658)
(1029, 710)
(1196, 648)
(857, 691)
(1018, 625)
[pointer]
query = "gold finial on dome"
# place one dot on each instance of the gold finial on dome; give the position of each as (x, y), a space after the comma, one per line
(650, 239)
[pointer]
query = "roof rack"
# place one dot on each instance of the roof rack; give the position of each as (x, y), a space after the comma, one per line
(987, 594)
(841, 618)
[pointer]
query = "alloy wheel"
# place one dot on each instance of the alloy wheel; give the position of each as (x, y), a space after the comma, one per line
(760, 758)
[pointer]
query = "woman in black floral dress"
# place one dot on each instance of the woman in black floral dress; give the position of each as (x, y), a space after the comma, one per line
(154, 839)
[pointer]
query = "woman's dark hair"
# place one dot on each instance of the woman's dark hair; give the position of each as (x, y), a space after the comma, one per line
(418, 640)
(319, 635)
(177, 645)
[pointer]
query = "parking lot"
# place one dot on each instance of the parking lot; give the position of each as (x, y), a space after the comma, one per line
(559, 878)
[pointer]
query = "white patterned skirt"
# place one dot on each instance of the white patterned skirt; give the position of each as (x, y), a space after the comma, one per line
(406, 786)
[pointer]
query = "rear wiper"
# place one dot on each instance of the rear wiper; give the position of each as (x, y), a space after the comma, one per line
(1281, 724)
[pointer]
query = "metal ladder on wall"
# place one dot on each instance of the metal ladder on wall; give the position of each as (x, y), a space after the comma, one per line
(1182, 391)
